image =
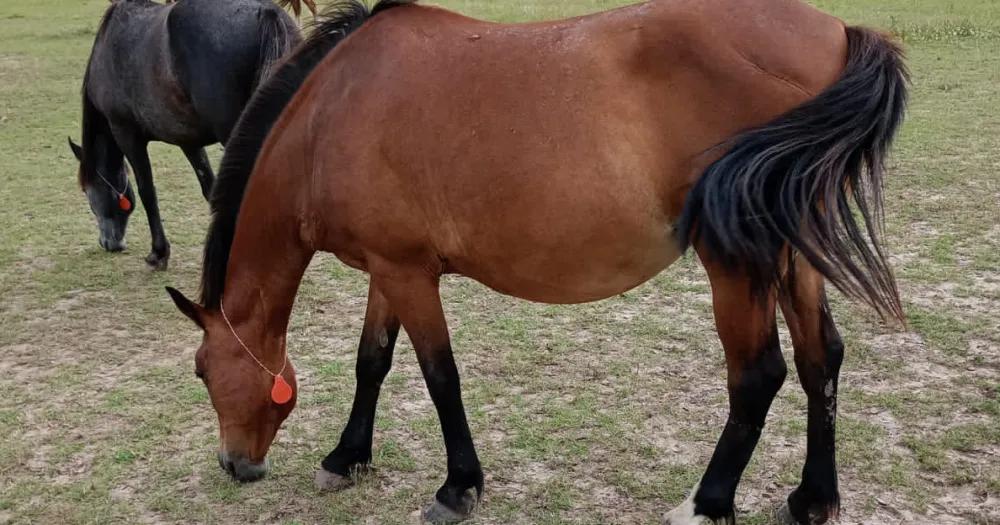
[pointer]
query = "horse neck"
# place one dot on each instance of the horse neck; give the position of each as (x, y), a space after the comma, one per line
(100, 151)
(266, 261)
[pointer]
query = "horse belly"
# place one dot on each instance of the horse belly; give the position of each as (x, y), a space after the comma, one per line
(577, 269)
(174, 121)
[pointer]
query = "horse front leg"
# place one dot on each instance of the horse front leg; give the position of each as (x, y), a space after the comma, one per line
(756, 370)
(135, 151)
(354, 451)
(415, 298)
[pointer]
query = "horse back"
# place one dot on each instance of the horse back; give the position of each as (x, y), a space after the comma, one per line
(179, 73)
(534, 146)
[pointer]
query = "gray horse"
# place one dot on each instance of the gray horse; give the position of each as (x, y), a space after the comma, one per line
(180, 74)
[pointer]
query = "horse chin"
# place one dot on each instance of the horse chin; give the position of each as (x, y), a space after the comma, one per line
(242, 469)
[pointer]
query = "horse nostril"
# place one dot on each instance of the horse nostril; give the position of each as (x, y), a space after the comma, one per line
(226, 464)
(242, 469)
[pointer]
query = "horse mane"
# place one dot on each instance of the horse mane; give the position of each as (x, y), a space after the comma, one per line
(339, 20)
(92, 121)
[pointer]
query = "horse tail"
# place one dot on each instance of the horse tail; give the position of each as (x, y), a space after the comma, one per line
(796, 183)
(275, 39)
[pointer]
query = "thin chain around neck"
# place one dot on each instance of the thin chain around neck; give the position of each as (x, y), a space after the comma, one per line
(284, 361)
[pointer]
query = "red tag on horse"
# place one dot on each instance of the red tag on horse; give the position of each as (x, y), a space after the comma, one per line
(281, 392)
(124, 203)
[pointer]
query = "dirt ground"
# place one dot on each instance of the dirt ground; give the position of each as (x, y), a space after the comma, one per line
(600, 413)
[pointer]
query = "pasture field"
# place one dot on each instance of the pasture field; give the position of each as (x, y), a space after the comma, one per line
(602, 413)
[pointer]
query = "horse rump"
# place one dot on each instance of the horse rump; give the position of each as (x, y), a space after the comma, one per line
(797, 182)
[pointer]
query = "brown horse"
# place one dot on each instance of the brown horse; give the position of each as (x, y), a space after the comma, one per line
(559, 162)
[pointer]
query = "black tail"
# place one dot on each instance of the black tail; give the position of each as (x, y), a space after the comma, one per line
(276, 40)
(796, 182)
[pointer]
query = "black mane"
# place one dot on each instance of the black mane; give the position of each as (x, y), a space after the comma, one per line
(337, 22)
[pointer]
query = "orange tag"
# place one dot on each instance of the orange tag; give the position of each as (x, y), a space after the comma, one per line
(281, 392)
(124, 203)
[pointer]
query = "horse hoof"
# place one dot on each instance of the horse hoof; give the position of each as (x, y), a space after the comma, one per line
(437, 513)
(329, 482)
(156, 262)
(818, 515)
(687, 520)
(783, 516)
(684, 514)
(694, 520)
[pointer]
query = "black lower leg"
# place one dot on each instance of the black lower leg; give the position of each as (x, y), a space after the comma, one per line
(378, 339)
(817, 499)
(415, 296)
(753, 385)
(137, 156)
(464, 470)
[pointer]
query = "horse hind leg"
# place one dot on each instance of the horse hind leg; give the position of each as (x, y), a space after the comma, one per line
(202, 168)
(819, 352)
(755, 372)
(353, 453)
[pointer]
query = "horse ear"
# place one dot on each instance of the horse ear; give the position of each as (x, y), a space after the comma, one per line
(194, 311)
(77, 150)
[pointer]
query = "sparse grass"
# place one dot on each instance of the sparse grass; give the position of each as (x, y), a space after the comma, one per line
(598, 413)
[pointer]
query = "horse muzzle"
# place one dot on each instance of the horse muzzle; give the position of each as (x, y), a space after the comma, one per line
(112, 235)
(242, 469)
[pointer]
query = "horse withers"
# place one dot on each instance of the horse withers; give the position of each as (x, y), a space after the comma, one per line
(559, 162)
(179, 74)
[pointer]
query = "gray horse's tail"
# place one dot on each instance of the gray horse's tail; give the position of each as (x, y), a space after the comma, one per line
(276, 40)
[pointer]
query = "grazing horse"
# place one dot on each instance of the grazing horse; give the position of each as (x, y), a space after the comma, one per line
(179, 74)
(559, 162)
